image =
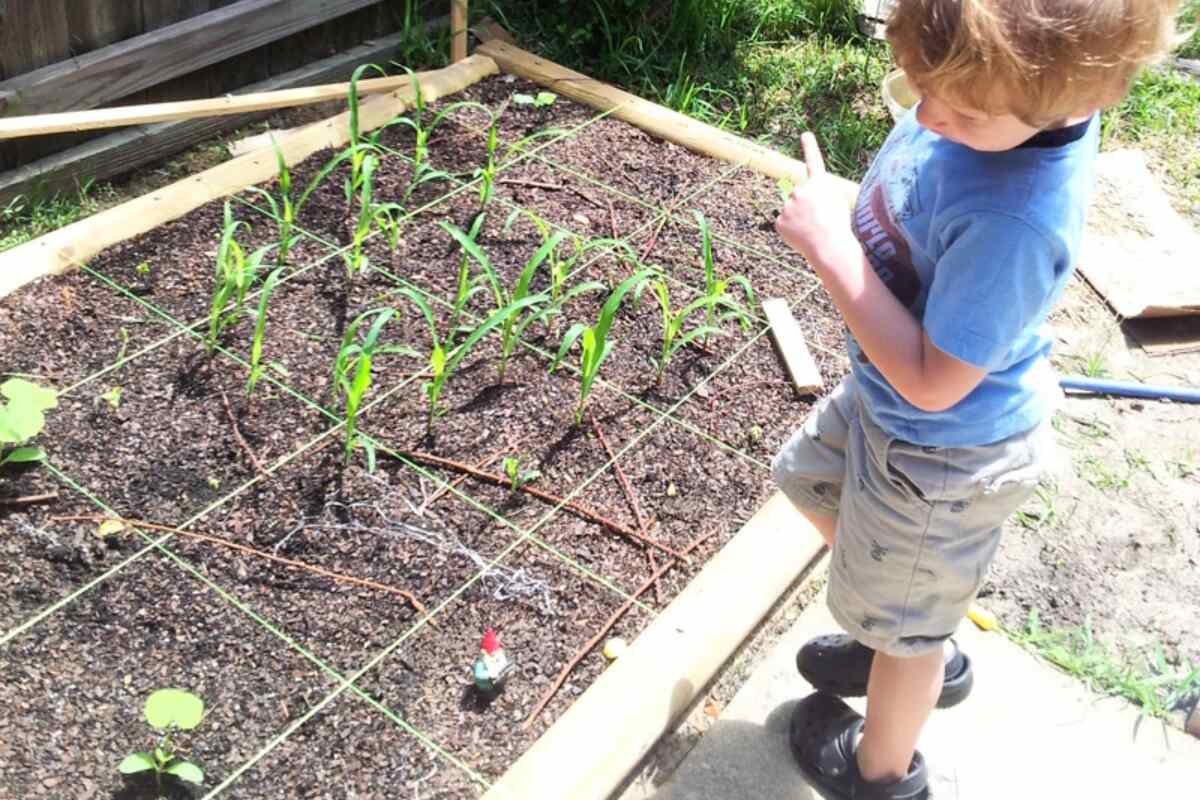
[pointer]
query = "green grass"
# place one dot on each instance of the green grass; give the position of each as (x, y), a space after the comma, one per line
(1145, 679)
(23, 219)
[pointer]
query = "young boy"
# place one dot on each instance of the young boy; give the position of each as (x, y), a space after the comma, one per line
(961, 238)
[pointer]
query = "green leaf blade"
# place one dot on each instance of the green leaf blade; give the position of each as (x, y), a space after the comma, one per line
(135, 763)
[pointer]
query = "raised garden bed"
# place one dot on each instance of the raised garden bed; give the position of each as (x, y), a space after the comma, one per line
(331, 686)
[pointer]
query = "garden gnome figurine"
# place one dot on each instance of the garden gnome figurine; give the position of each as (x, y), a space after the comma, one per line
(492, 666)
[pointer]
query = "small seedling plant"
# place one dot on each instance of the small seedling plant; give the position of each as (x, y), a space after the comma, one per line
(443, 358)
(352, 372)
(22, 417)
(235, 273)
(595, 344)
(167, 711)
(260, 329)
(716, 289)
(285, 208)
(674, 338)
(516, 323)
(422, 170)
(486, 175)
(518, 477)
(371, 214)
(558, 267)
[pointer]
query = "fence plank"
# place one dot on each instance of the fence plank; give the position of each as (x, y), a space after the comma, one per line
(121, 69)
(33, 35)
(120, 152)
(101, 23)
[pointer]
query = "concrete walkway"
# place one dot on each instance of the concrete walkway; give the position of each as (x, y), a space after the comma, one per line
(1027, 731)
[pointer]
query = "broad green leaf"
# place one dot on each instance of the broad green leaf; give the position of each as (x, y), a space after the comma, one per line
(24, 455)
(522, 99)
(138, 762)
(177, 707)
(186, 771)
(29, 394)
(544, 99)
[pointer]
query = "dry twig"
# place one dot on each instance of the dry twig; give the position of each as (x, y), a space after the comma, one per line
(204, 537)
(28, 499)
(237, 434)
(612, 620)
(570, 505)
(632, 498)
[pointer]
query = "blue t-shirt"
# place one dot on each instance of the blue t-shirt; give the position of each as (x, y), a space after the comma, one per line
(978, 246)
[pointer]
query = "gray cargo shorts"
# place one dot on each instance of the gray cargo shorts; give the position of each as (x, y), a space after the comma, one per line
(917, 527)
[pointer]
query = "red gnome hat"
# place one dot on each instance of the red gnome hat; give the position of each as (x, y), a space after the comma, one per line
(490, 643)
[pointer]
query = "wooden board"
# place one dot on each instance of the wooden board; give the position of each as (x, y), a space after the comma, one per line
(125, 116)
(73, 245)
(458, 30)
(121, 69)
(1137, 252)
(589, 751)
(790, 340)
(653, 118)
(121, 152)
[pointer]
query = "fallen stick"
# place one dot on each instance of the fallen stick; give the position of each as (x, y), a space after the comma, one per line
(258, 467)
(631, 497)
(550, 187)
(570, 505)
(204, 537)
(95, 119)
(459, 481)
(28, 499)
(612, 620)
(612, 220)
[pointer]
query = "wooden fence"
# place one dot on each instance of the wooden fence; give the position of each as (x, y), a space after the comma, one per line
(73, 54)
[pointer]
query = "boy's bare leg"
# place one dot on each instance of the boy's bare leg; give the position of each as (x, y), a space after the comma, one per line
(901, 693)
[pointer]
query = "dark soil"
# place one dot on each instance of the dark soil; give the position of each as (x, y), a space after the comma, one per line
(94, 624)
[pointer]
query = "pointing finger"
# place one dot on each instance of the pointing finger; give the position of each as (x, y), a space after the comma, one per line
(812, 154)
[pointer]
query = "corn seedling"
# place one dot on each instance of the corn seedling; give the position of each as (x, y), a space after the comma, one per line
(285, 208)
(518, 477)
(558, 267)
(487, 173)
(423, 170)
(22, 417)
(443, 360)
(167, 711)
(716, 288)
(466, 286)
(673, 336)
(370, 214)
(234, 275)
(260, 327)
(515, 324)
(594, 342)
(352, 372)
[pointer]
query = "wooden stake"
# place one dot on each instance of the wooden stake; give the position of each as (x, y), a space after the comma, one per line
(71, 121)
(458, 30)
(790, 340)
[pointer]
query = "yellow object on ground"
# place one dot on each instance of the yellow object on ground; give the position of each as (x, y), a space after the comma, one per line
(983, 618)
(614, 648)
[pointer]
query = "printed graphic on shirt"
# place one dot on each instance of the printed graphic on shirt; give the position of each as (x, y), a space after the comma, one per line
(884, 245)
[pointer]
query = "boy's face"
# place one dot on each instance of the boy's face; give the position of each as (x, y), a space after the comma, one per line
(971, 128)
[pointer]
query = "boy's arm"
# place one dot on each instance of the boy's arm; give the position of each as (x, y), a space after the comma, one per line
(887, 332)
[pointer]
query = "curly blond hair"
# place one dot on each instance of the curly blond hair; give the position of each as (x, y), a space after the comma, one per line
(1039, 60)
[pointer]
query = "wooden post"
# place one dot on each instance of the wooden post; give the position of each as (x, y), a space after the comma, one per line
(458, 30)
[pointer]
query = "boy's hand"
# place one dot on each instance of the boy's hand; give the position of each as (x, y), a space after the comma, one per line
(814, 221)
